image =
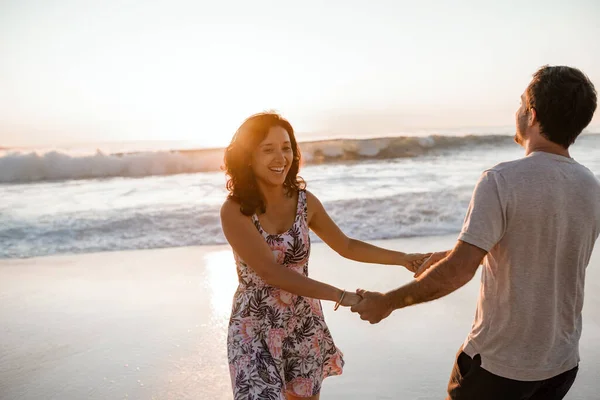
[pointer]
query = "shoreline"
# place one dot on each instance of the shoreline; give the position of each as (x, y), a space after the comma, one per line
(143, 324)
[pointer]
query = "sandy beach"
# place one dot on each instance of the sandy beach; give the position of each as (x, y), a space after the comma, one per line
(151, 324)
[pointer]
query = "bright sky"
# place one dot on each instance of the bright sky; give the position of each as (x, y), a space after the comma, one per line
(90, 71)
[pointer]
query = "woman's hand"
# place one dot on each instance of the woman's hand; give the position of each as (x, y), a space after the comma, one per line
(350, 299)
(412, 261)
(434, 258)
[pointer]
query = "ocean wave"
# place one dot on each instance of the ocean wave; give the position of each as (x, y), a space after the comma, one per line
(401, 215)
(23, 167)
(56, 166)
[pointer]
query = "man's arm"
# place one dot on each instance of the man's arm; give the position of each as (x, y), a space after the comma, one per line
(448, 275)
(443, 278)
(484, 226)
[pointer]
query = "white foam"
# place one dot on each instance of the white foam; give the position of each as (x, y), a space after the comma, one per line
(151, 226)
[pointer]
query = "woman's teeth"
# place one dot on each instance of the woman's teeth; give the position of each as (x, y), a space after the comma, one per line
(278, 170)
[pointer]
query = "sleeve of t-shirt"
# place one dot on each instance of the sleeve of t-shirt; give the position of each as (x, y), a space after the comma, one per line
(485, 221)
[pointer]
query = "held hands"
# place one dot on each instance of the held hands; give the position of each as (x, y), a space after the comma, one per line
(412, 261)
(431, 260)
(373, 307)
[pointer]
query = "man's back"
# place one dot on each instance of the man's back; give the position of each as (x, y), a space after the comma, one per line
(539, 218)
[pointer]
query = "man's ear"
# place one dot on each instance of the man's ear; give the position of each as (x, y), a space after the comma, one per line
(532, 120)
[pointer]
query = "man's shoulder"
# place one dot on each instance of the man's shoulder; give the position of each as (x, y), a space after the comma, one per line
(507, 167)
(536, 170)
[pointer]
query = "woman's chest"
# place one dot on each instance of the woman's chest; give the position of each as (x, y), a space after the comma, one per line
(279, 221)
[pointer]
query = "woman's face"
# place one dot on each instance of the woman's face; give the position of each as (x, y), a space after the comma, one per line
(272, 158)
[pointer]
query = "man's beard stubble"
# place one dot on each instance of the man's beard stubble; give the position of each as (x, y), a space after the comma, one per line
(517, 139)
(521, 127)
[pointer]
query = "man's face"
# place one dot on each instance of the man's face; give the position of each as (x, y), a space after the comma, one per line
(521, 119)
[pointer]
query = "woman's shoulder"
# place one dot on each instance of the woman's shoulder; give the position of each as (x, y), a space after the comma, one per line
(310, 197)
(231, 209)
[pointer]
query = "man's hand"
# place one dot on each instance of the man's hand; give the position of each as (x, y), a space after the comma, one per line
(433, 259)
(373, 307)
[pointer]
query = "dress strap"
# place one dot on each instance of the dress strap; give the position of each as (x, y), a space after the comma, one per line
(302, 205)
(256, 223)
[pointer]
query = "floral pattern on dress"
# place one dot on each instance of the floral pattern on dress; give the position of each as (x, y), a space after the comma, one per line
(278, 342)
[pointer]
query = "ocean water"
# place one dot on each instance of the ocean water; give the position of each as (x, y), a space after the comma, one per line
(60, 202)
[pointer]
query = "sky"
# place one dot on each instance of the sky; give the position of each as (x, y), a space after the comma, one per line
(116, 70)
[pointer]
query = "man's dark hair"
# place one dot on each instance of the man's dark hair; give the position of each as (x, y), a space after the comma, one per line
(564, 100)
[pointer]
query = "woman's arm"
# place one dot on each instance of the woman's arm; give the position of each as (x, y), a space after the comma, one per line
(247, 242)
(322, 224)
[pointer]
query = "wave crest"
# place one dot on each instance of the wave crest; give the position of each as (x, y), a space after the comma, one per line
(22, 167)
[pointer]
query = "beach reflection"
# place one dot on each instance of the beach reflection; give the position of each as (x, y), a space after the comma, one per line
(222, 282)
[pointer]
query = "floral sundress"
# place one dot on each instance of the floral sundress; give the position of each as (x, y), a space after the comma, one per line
(278, 342)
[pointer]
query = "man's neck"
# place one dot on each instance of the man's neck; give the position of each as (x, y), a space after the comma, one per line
(546, 147)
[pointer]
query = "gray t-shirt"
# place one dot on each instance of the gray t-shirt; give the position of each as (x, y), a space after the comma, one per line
(538, 217)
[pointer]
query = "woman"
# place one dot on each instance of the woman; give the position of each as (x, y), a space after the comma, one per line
(279, 346)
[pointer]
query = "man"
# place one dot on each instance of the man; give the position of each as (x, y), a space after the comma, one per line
(533, 222)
